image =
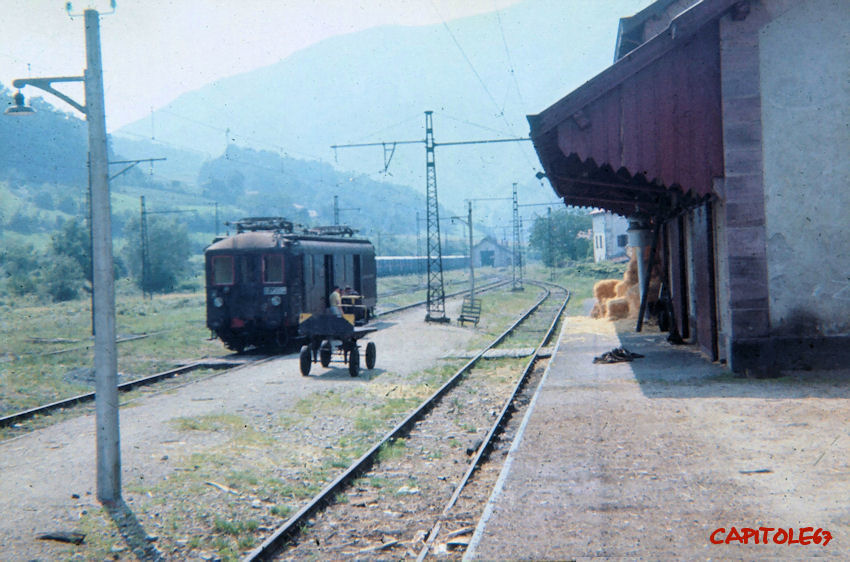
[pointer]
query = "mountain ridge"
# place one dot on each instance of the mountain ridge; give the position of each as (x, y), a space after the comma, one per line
(480, 75)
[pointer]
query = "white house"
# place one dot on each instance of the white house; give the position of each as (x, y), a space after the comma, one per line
(609, 235)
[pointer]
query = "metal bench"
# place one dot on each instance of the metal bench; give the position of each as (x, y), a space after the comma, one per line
(470, 311)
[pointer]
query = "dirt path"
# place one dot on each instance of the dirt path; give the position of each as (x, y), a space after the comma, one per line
(48, 475)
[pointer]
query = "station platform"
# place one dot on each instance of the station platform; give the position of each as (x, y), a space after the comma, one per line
(661, 457)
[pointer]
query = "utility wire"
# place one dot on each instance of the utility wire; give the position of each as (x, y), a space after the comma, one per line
(466, 58)
(510, 60)
(501, 111)
(470, 123)
(404, 121)
(253, 140)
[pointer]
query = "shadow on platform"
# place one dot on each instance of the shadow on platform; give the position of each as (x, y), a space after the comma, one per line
(681, 371)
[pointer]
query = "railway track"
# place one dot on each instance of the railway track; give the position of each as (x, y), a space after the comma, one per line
(400, 498)
(487, 286)
(423, 286)
(224, 362)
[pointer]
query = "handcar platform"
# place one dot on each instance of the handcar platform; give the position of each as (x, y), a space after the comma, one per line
(323, 330)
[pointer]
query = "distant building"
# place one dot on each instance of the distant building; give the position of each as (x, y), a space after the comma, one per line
(722, 128)
(609, 236)
(489, 253)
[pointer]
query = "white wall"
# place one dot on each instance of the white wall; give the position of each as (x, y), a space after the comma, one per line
(615, 226)
(598, 237)
(805, 89)
(606, 228)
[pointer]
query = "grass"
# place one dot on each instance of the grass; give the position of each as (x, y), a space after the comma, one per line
(392, 450)
(579, 278)
(500, 308)
(271, 470)
(234, 528)
(217, 422)
(408, 289)
(47, 350)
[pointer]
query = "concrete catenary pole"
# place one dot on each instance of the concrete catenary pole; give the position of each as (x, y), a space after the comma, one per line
(471, 261)
(105, 356)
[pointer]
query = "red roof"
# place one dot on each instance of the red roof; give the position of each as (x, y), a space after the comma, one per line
(644, 136)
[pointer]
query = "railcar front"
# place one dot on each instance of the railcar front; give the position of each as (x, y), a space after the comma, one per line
(261, 283)
(250, 289)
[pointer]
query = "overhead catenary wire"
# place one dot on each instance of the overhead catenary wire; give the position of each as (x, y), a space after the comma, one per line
(466, 58)
(508, 55)
(500, 109)
(254, 141)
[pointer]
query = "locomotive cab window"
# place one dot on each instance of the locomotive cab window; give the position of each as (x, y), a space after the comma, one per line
(272, 268)
(222, 270)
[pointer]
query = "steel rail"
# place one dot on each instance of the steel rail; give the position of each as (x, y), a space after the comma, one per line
(292, 526)
(496, 428)
(23, 415)
(489, 287)
(27, 355)
(18, 417)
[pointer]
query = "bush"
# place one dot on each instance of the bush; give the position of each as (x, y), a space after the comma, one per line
(63, 278)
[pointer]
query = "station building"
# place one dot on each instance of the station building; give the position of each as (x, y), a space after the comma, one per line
(490, 253)
(723, 130)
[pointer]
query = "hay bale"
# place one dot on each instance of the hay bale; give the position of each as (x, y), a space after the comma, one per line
(617, 309)
(598, 311)
(620, 289)
(604, 290)
(633, 298)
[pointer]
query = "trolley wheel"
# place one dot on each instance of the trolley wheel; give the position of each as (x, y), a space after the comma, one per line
(371, 350)
(354, 362)
(325, 353)
(306, 360)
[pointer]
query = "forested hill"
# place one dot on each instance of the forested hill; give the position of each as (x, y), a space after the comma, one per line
(480, 76)
(47, 146)
(265, 183)
(43, 179)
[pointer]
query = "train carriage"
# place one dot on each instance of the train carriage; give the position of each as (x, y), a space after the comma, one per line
(261, 281)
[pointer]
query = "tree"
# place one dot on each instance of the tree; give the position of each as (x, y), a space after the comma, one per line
(19, 265)
(74, 242)
(168, 253)
(564, 230)
(63, 278)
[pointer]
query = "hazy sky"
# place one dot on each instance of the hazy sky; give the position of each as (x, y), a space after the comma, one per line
(154, 50)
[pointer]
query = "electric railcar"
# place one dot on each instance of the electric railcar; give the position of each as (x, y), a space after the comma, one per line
(261, 280)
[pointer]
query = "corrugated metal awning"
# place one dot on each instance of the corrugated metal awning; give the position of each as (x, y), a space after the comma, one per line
(644, 136)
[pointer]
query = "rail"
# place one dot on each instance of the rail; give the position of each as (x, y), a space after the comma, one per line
(18, 417)
(291, 527)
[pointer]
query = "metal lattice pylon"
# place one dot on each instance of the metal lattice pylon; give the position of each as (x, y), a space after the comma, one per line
(436, 300)
(516, 262)
(146, 258)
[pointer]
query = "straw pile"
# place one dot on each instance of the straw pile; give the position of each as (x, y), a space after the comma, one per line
(616, 299)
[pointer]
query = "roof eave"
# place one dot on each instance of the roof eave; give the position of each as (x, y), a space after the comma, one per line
(684, 26)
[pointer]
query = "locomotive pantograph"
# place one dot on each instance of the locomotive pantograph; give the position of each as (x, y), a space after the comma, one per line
(269, 283)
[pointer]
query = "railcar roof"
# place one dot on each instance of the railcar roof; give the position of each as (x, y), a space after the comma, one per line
(269, 239)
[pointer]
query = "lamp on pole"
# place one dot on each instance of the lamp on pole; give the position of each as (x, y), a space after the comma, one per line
(468, 223)
(105, 356)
